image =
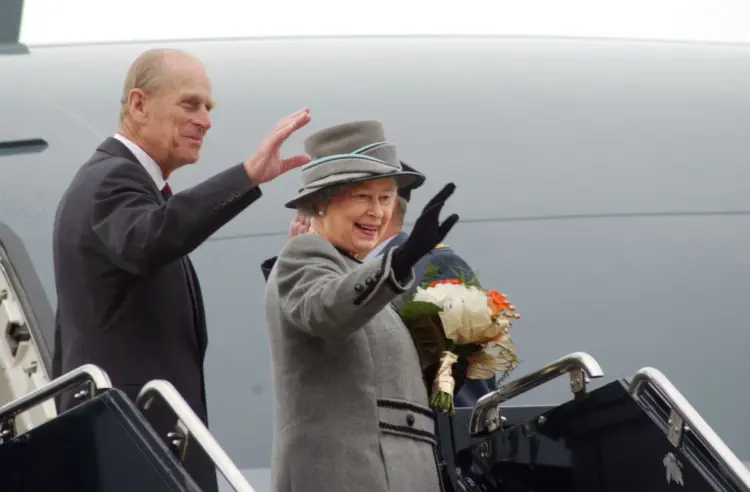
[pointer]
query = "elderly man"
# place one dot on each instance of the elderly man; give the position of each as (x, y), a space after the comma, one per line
(128, 297)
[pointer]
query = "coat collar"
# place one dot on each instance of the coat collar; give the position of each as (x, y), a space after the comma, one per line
(116, 148)
(119, 146)
(148, 162)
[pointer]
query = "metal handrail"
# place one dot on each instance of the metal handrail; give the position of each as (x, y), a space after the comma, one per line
(194, 426)
(94, 375)
(681, 413)
(581, 366)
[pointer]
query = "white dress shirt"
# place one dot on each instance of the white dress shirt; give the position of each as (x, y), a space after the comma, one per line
(150, 165)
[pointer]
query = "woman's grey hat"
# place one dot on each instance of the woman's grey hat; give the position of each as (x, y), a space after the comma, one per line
(351, 153)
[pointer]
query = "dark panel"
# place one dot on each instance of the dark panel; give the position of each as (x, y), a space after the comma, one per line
(603, 442)
(104, 445)
(10, 21)
(25, 146)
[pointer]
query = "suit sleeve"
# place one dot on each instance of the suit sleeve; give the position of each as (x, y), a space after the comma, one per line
(138, 233)
(320, 297)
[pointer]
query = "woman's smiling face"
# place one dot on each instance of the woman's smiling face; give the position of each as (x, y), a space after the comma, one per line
(356, 216)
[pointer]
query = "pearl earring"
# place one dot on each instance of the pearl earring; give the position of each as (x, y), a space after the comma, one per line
(320, 212)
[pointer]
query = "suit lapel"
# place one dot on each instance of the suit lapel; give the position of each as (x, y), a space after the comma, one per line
(115, 148)
(201, 332)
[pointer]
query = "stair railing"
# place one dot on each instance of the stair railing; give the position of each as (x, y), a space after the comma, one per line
(684, 418)
(95, 378)
(580, 366)
(189, 425)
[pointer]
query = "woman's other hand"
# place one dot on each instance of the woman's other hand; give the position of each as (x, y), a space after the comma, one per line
(299, 225)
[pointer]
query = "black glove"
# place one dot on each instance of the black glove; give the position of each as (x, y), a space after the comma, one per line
(426, 234)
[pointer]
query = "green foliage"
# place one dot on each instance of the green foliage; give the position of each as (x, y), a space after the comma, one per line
(416, 310)
(442, 401)
(508, 355)
(433, 273)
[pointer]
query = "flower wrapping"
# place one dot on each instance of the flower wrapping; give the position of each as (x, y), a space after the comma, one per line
(455, 318)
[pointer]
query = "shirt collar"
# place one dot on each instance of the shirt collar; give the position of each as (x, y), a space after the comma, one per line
(150, 165)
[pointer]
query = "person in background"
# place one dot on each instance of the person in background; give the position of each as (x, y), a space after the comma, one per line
(128, 297)
(351, 408)
(441, 263)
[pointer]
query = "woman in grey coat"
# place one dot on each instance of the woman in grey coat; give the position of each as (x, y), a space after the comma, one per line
(351, 412)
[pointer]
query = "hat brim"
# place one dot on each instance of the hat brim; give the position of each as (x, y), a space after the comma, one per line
(417, 182)
(404, 179)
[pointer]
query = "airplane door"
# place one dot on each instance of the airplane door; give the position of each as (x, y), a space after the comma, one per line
(24, 309)
(42, 143)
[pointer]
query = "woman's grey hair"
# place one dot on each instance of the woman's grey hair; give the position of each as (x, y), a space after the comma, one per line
(400, 209)
(310, 206)
(317, 201)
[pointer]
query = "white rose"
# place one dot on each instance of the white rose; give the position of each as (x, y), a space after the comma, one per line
(466, 315)
(436, 295)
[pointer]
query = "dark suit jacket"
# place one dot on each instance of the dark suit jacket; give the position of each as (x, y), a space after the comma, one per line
(128, 298)
(449, 265)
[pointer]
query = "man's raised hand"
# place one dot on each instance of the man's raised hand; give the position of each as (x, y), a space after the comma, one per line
(266, 162)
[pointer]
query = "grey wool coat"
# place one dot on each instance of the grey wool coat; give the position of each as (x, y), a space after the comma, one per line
(351, 408)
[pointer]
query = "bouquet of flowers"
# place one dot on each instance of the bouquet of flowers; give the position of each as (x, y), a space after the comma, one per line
(455, 318)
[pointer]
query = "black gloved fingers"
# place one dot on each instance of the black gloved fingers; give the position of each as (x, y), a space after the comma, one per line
(447, 225)
(439, 199)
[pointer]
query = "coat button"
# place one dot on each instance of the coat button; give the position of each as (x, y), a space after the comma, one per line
(369, 280)
(410, 420)
(359, 288)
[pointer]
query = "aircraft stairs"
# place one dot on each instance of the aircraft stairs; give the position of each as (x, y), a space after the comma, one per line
(639, 435)
(104, 444)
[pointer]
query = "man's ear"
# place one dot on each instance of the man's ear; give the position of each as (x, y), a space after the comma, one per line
(137, 105)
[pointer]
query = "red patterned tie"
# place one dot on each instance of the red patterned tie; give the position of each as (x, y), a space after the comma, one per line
(167, 191)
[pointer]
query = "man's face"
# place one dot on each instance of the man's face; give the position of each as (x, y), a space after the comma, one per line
(176, 117)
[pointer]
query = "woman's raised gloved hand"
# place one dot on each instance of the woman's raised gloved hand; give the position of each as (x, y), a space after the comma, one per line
(427, 233)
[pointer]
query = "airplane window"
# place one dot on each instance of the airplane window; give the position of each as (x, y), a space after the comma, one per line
(26, 146)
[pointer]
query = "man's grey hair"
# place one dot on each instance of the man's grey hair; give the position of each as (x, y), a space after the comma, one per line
(148, 72)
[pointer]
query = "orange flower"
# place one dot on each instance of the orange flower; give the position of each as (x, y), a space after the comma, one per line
(497, 301)
(453, 281)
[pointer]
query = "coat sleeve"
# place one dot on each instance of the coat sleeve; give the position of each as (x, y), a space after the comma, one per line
(138, 233)
(323, 298)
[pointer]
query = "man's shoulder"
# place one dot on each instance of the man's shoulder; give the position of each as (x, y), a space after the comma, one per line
(104, 165)
(101, 166)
